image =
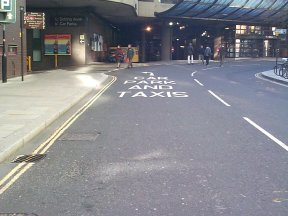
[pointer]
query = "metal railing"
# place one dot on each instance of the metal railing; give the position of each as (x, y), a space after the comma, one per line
(281, 69)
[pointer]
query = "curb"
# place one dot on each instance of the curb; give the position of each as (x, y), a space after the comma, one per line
(12, 148)
(273, 79)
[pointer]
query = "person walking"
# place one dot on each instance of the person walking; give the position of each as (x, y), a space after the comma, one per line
(190, 52)
(119, 55)
(130, 54)
(207, 54)
(201, 54)
(221, 54)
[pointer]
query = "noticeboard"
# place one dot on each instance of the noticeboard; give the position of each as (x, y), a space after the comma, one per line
(34, 20)
(57, 44)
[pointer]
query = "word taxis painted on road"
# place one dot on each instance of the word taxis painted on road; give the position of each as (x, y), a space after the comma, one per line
(151, 87)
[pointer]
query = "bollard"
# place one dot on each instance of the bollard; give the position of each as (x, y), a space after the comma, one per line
(29, 66)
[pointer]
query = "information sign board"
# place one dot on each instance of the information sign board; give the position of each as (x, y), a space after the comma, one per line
(34, 20)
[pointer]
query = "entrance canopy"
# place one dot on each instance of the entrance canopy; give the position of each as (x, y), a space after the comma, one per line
(268, 12)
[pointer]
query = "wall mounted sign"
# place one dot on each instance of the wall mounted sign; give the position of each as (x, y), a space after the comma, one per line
(67, 21)
(58, 44)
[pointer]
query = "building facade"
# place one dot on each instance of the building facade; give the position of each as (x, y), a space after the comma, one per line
(13, 45)
(81, 32)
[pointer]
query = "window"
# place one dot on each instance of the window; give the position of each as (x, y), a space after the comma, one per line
(12, 49)
(36, 55)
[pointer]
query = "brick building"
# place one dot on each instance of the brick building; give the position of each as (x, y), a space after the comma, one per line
(13, 45)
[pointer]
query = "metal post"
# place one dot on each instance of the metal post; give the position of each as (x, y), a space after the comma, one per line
(21, 35)
(277, 52)
(4, 58)
(143, 46)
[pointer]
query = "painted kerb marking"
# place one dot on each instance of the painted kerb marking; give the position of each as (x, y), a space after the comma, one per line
(20, 169)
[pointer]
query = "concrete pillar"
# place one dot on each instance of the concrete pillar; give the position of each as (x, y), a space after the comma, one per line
(166, 42)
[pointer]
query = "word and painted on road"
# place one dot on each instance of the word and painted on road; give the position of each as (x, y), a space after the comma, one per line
(151, 87)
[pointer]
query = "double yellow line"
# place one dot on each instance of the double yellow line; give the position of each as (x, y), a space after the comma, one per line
(21, 168)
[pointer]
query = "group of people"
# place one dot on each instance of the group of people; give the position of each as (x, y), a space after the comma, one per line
(204, 54)
(119, 56)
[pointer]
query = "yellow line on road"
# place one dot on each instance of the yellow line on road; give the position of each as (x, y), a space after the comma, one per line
(21, 168)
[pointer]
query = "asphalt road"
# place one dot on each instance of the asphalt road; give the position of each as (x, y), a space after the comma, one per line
(167, 140)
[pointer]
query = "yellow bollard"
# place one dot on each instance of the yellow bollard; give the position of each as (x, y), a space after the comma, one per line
(29, 66)
(56, 60)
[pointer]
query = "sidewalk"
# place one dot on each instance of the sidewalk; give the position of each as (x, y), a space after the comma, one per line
(272, 76)
(27, 108)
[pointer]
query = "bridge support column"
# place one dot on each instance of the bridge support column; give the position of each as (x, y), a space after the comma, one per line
(166, 41)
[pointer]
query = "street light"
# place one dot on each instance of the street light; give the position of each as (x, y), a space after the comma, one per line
(21, 37)
(143, 53)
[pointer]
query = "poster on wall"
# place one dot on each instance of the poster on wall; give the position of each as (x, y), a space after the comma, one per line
(97, 42)
(59, 44)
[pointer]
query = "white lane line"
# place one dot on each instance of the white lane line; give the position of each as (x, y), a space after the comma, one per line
(192, 74)
(212, 93)
(283, 145)
(198, 82)
(210, 68)
(244, 65)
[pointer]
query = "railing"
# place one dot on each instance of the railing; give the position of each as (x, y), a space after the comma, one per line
(281, 69)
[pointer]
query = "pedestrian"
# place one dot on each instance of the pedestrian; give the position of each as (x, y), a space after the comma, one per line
(201, 54)
(207, 54)
(130, 54)
(221, 54)
(119, 56)
(190, 52)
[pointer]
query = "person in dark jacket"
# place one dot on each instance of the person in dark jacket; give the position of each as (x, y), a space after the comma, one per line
(130, 54)
(207, 54)
(190, 52)
(119, 55)
(201, 54)
(221, 53)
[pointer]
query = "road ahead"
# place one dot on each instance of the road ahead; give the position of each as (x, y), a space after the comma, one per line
(166, 140)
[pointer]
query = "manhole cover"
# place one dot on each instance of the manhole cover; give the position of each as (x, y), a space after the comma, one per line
(29, 158)
(79, 136)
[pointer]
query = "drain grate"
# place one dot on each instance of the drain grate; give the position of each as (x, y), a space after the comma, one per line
(29, 158)
(79, 136)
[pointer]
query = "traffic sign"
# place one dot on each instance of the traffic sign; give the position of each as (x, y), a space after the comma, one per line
(82, 39)
(7, 11)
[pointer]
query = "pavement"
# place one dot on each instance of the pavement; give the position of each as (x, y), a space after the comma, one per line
(28, 107)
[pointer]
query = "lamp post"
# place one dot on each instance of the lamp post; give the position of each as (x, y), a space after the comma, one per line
(21, 37)
(4, 57)
(143, 53)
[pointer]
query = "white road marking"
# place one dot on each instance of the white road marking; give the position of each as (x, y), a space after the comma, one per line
(198, 82)
(217, 97)
(210, 68)
(243, 65)
(193, 73)
(20, 169)
(279, 142)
